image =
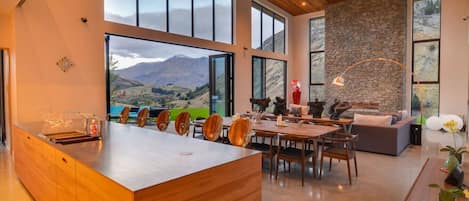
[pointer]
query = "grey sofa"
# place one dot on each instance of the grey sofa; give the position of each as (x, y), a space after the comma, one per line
(391, 140)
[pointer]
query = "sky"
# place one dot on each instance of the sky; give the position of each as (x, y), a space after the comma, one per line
(129, 51)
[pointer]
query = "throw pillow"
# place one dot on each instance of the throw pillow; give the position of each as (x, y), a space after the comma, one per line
(372, 120)
(296, 111)
(304, 109)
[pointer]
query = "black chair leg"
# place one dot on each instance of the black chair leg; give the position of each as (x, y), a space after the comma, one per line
(330, 164)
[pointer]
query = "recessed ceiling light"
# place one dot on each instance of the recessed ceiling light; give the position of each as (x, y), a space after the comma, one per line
(304, 3)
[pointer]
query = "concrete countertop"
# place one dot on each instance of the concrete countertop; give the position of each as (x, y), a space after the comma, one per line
(139, 158)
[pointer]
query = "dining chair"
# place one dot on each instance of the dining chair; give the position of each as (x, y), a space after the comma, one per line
(142, 117)
(213, 127)
(342, 147)
(293, 154)
(198, 128)
(162, 121)
(182, 124)
(124, 116)
(267, 148)
(239, 133)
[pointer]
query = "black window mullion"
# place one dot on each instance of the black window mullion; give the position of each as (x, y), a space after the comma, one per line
(213, 21)
(167, 15)
(192, 18)
(273, 32)
(137, 17)
(260, 24)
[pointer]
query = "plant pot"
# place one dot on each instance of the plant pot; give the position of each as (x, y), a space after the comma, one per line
(446, 196)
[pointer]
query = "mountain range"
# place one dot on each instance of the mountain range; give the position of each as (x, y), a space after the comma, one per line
(173, 71)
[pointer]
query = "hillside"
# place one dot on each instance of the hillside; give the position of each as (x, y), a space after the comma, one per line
(173, 71)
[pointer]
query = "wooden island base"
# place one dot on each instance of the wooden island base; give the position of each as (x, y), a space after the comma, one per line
(55, 172)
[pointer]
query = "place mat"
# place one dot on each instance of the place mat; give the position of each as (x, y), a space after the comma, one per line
(76, 140)
(65, 135)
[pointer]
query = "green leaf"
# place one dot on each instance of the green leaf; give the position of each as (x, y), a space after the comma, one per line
(444, 149)
(452, 163)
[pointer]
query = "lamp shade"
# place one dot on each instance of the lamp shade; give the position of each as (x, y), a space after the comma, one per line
(434, 123)
(339, 81)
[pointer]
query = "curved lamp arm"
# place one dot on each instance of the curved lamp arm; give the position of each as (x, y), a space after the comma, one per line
(340, 81)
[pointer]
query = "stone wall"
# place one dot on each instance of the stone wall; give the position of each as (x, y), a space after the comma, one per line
(363, 29)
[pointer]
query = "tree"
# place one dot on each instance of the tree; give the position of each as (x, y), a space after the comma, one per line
(112, 76)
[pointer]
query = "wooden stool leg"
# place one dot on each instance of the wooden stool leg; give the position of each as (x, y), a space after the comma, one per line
(276, 169)
(349, 174)
(356, 167)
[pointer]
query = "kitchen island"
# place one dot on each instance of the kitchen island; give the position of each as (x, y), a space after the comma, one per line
(132, 163)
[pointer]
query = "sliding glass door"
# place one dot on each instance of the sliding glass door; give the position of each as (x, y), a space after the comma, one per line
(220, 84)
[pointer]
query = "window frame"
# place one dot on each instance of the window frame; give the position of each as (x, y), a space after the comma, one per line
(264, 78)
(323, 51)
(414, 42)
(275, 16)
(137, 23)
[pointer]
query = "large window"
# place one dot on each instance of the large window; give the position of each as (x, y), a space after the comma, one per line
(205, 19)
(268, 78)
(426, 58)
(267, 29)
(159, 75)
(121, 11)
(317, 55)
(152, 14)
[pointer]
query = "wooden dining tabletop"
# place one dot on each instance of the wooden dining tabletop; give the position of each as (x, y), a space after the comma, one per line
(294, 129)
(309, 118)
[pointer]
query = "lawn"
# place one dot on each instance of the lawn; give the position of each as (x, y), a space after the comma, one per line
(195, 112)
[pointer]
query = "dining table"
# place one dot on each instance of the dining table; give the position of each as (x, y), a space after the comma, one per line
(346, 124)
(301, 129)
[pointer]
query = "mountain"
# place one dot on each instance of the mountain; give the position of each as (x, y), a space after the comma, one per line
(123, 83)
(179, 70)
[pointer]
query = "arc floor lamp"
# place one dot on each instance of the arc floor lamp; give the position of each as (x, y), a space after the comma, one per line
(340, 80)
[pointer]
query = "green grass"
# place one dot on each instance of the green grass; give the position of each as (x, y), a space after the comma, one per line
(421, 120)
(195, 112)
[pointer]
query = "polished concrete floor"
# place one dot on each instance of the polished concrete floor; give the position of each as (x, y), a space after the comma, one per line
(381, 177)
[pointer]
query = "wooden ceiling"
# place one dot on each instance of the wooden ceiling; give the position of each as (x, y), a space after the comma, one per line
(300, 7)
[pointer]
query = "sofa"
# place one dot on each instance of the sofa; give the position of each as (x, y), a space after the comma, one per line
(390, 140)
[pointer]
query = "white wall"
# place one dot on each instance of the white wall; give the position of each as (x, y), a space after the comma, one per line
(47, 30)
(454, 57)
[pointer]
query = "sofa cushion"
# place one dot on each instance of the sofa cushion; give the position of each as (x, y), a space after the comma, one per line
(304, 109)
(372, 120)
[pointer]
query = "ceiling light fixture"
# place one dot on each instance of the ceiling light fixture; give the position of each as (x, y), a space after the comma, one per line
(304, 3)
